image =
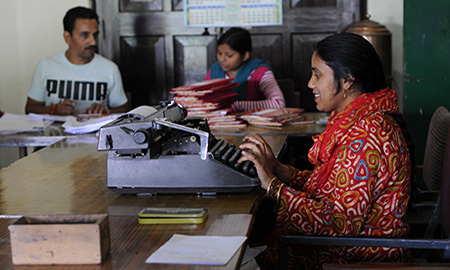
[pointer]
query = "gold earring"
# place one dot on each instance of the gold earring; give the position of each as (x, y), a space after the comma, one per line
(345, 94)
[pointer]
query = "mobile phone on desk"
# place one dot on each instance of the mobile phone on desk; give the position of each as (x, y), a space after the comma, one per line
(167, 215)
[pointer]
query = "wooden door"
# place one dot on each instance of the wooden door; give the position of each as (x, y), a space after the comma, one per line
(155, 51)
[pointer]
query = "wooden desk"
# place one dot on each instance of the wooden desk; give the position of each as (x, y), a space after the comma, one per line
(69, 177)
(51, 134)
(132, 243)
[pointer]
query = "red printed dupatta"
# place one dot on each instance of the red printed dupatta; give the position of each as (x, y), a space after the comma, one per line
(339, 123)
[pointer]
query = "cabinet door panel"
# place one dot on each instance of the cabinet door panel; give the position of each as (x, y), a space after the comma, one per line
(143, 69)
(193, 56)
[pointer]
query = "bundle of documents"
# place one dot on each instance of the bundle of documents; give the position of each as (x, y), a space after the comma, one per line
(209, 99)
(227, 121)
(76, 124)
(206, 95)
(273, 117)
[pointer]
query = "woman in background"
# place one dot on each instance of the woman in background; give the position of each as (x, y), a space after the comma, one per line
(360, 185)
(257, 85)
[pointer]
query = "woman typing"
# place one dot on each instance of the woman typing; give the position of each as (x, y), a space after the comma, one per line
(360, 184)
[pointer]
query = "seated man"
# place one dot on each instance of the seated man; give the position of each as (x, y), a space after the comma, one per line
(77, 80)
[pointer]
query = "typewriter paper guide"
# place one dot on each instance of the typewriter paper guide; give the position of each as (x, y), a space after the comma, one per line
(161, 153)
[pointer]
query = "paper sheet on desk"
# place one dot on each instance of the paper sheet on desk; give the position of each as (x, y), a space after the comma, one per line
(19, 123)
(49, 117)
(73, 126)
(197, 249)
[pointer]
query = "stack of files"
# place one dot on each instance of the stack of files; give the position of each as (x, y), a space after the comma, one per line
(210, 99)
(226, 121)
(206, 95)
(275, 117)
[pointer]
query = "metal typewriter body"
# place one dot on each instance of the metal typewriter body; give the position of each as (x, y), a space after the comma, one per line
(165, 153)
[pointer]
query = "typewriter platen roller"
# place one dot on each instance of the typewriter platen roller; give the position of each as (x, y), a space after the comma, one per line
(160, 151)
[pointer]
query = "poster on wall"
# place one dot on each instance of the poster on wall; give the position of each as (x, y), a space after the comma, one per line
(227, 13)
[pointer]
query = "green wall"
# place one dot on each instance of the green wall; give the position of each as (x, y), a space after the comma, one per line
(426, 82)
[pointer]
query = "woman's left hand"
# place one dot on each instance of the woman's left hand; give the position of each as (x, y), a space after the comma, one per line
(261, 155)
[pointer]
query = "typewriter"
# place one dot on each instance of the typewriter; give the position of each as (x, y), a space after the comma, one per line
(158, 150)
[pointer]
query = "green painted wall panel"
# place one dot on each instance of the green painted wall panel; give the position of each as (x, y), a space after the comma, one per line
(426, 84)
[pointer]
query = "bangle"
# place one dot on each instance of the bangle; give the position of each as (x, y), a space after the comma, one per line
(52, 109)
(270, 183)
(279, 191)
(274, 189)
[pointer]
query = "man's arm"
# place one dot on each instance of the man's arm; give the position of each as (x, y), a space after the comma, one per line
(65, 107)
(34, 106)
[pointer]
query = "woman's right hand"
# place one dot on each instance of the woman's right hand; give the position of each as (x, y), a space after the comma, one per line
(257, 150)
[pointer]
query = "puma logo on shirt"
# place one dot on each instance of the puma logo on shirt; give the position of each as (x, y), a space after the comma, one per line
(77, 90)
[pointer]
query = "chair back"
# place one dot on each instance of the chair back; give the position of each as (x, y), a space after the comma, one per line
(435, 148)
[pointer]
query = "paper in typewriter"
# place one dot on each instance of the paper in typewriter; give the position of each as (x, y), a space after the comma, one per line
(143, 111)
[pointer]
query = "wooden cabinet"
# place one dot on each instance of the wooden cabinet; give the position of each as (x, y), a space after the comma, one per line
(155, 51)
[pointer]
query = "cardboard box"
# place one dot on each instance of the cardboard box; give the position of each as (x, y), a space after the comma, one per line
(60, 239)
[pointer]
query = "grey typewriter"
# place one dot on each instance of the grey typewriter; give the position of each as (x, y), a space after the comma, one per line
(158, 150)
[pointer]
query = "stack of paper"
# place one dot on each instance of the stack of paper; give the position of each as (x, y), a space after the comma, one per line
(226, 121)
(271, 117)
(19, 123)
(209, 99)
(206, 95)
(74, 125)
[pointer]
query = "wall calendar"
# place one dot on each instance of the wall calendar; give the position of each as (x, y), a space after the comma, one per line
(227, 13)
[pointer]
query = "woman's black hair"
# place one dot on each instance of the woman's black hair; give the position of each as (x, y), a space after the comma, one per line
(237, 39)
(349, 54)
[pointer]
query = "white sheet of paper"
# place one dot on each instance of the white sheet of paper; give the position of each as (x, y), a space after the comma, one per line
(49, 117)
(197, 249)
(17, 123)
(73, 126)
(143, 111)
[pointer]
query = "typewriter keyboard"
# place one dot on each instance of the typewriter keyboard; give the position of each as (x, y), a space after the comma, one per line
(229, 155)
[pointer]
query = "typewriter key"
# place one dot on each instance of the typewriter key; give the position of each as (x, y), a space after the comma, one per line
(235, 157)
(226, 157)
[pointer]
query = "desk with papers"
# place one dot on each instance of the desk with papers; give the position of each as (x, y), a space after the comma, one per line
(70, 178)
(55, 132)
